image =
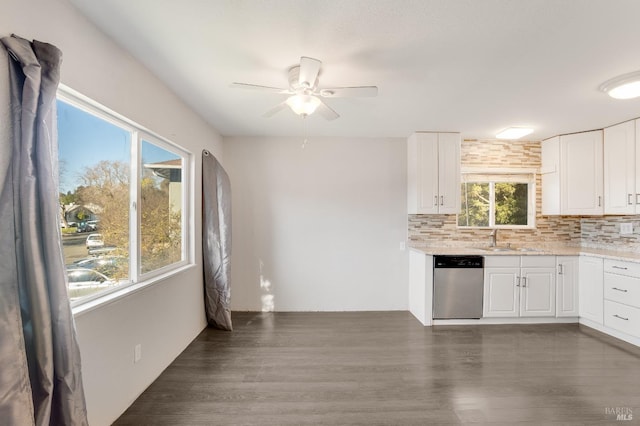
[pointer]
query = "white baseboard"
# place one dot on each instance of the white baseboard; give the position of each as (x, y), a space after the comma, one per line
(481, 321)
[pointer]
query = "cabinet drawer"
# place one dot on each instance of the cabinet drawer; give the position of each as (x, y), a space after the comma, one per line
(502, 261)
(622, 289)
(538, 261)
(622, 268)
(622, 318)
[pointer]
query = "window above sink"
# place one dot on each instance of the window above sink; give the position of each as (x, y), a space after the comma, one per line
(497, 200)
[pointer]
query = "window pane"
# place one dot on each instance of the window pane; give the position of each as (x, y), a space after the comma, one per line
(160, 207)
(94, 200)
(511, 203)
(475, 204)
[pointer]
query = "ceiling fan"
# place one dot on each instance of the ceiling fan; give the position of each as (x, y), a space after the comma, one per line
(305, 94)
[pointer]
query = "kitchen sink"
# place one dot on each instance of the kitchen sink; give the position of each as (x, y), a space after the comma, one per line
(498, 249)
(510, 249)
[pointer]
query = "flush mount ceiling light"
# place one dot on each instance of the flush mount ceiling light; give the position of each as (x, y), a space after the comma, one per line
(514, 132)
(303, 104)
(626, 86)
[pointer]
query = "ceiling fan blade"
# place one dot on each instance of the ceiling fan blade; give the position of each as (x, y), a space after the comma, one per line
(273, 111)
(326, 112)
(309, 69)
(350, 92)
(258, 87)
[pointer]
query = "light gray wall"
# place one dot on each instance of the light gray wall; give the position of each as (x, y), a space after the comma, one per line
(164, 317)
(319, 228)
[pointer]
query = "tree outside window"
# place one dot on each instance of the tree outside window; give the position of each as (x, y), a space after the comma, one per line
(495, 203)
(114, 172)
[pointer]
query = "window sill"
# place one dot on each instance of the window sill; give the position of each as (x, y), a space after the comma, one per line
(126, 291)
(490, 228)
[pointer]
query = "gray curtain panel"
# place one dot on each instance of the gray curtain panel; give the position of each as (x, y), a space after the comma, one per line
(216, 242)
(40, 379)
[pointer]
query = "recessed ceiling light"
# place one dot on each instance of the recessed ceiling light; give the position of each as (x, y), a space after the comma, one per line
(514, 132)
(626, 86)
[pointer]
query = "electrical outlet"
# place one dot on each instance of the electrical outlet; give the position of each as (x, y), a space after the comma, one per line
(403, 245)
(137, 353)
(626, 228)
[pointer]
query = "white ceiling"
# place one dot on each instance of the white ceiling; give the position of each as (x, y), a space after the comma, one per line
(447, 65)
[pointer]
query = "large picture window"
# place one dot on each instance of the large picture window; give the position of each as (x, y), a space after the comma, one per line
(123, 200)
(497, 201)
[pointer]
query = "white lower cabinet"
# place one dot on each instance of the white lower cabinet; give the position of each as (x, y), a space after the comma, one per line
(519, 286)
(421, 286)
(622, 317)
(591, 291)
(622, 296)
(501, 290)
(567, 286)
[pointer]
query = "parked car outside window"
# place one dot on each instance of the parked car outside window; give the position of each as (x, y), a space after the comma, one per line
(111, 266)
(83, 282)
(94, 241)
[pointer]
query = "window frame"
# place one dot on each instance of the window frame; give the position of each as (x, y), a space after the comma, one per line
(491, 177)
(138, 133)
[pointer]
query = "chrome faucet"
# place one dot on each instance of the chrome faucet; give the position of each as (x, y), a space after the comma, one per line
(492, 238)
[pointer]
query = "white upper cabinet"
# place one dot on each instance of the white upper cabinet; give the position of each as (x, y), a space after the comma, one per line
(621, 169)
(572, 174)
(581, 183)
(433, 167)
(551, 176)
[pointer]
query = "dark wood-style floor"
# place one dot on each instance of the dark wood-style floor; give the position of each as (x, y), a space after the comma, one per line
(384, 368)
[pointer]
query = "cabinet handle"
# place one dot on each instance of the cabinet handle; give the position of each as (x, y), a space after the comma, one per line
(637, 200)
(619, 289)
(619, 267)
(518, 281)
(622, 318)
(629, 201)
(524, 281)
(599, 200)
(560, 269)
(435, 200)
(442, 200)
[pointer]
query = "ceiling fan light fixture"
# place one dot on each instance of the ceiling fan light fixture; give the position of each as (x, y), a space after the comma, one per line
(303, 104)
(626, 86)
(514, 133)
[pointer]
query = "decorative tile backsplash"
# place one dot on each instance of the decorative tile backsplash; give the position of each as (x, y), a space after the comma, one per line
(604, 232)
(443, 230)
(597, 232)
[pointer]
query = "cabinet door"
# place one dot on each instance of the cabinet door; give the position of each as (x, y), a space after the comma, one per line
(591, 288)
(567, 287)
(449, 172)
(422, 172)
(619, 168)
(637, 157)
(550, 172)
(581, 173)
(538, 292)
(501, 293)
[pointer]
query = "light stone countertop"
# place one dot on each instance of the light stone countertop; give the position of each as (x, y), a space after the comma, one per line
(531, 250)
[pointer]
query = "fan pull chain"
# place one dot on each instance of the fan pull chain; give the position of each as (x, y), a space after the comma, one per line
(305, 130)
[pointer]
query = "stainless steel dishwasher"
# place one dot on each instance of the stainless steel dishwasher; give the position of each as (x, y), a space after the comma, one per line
(458, 283)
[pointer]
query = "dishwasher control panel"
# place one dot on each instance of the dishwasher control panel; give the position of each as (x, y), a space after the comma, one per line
(458, 261)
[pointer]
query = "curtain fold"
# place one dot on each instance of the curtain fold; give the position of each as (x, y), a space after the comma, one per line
(216, 242)
(40, 378)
